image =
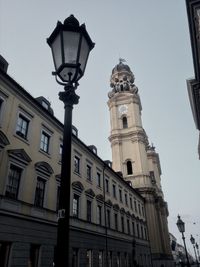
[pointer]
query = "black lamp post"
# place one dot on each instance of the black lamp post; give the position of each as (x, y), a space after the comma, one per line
(192, 239)
(197, 248)
(181, 227)
(70, 45)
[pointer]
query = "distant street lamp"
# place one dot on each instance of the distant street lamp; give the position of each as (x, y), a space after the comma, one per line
(197, 248)
(70, 45)
(192, 239)
(181, 227)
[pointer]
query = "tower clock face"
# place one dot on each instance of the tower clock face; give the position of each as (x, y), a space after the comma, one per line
(123, 109)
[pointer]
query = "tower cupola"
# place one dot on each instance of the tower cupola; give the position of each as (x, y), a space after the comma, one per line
(122, 79)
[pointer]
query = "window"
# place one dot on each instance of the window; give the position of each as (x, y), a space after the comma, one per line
(122, 224)
(100, 258)
(45, 105)
(138, 231)
(75, 257)
(114, 190)
(116, 221)
(44, 143)
(1, 104)
(75, 205)
(99, 215)
(142, 233)
(135, 205)
(131, 203)
(89, 258)
(108, 218)
(139, 208)
(124, 122)
(126, 199)
(14, 177)
(58, 197)
(120, 195)
(133, 228)
(107, 186)
(22, 126)
(89, 210)
(89, 172)
(145, 232)
(61, 149)
(34, 255)
(128, 226)
(77, 164)
(118, 259)
(39, 192)
(4, 253)
(110, 259)
(98, 179)
(143, 211)
(129, 167)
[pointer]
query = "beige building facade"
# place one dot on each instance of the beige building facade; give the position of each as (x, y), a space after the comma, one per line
(108, 223)
(136, 160)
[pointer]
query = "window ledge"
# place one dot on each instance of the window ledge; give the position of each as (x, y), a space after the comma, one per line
(22, 139)
(45, 153)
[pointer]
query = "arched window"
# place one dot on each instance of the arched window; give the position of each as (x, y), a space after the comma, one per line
(125, 122)
(129, 167)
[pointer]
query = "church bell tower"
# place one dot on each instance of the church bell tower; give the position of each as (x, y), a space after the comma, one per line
(136, 159)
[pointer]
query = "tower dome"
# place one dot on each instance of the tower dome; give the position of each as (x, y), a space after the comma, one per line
(122, 79)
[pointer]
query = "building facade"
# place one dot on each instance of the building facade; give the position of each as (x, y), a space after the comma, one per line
(137, 160)
(193, 85)
(108, 220)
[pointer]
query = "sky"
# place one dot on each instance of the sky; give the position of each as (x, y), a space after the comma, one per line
(153, 37)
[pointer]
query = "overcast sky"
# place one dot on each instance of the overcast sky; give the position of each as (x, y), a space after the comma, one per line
(153, 37)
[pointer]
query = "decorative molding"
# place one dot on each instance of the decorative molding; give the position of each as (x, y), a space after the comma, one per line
(3, 140)
(78, 186)
(89, 192)
(19, 155)
(44, 168)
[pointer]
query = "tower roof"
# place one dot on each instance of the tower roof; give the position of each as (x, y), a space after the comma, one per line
(122, 79)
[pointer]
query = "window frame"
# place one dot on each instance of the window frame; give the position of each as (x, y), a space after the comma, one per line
(37, 192)
(9, 182)
(88, 211)
(20, 130)
(89, 172)
(77, 161)
(76, 210)
(99, 214)
(43, 143)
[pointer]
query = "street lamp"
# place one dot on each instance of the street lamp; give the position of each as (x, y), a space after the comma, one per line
(70, 45)
(192, 239)
(197, 248)
(181, 227)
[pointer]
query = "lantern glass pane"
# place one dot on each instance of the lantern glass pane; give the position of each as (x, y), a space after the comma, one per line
(70, 43)
(67, 74)
(84, 51)
(56, 51)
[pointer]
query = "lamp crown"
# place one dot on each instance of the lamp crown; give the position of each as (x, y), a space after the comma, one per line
(71, 21)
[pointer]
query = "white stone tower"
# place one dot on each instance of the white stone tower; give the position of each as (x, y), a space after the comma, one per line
(136, 159)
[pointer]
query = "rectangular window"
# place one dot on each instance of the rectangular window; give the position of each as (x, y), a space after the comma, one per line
(120, 195)
(139, 208)
(126, 199)
(14, 177)
(44, 142)
(99, 215)
(108, 218)
(89, 258)
(4, 253)
(138, 231)
(98, 179)
(110, 260)
(75, 257)
(116, 221)
(75, 205)
(118, 259)
(39, 192)
(133, 228)
(100, 260)
(1, 104)
(107, 185)
(77, 164)
(135, 205)
(22, 126)
(131, 202)
(114, 190)
(34, 255)
(58, 197)
(89, 210)
(142, 233)
(89, 172)
(128, 226)
(122, 224)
